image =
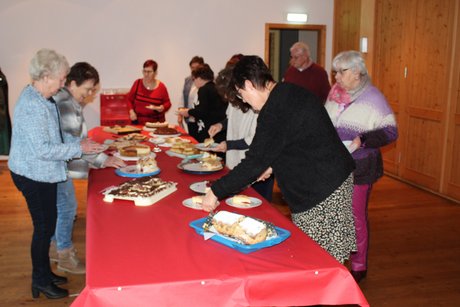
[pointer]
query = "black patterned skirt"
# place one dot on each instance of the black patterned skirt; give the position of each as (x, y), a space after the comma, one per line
(330, 223)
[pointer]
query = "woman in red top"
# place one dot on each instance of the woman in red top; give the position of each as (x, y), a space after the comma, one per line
(148, 97)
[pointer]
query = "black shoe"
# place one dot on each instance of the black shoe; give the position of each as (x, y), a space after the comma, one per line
(358, 275)
(50, 291)
(58, 280)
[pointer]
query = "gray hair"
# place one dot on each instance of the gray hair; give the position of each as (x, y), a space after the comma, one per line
(47, 62)
(350, 60)
(302, 47)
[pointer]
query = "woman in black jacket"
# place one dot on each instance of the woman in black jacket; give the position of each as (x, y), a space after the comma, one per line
(5, 123)
(295, 140)
(210, 107)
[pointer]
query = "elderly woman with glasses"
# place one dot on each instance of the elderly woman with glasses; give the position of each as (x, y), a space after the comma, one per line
(296, 141)
(148, 97)
(362, 116)
(37, 161)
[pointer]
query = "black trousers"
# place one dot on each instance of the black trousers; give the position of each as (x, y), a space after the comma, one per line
(41, 201)
(265, 188)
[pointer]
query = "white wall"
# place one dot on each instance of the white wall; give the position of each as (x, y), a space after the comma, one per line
(117, 36)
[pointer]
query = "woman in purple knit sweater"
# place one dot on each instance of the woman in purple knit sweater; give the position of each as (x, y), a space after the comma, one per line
(362, 116)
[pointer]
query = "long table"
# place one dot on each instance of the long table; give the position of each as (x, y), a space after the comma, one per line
(150, 256)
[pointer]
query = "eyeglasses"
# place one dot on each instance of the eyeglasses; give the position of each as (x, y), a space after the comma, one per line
(297, 56)
(238, 95)
(340, 71)
(145, 71)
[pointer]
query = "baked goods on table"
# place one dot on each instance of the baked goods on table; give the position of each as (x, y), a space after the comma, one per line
(121, 129)
(165, 131)
(208, 142)
(143, 191)
(197, 200)
(184, 148)
(137, 150)
(241, 200)
(200, 166)
(156, 124)
(133, 137)
(210, 162)
(212, 165)
(210, 157)
(146, 165)
(117, 144)
(243, 228)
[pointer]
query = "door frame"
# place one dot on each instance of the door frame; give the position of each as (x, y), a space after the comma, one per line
(321, 29)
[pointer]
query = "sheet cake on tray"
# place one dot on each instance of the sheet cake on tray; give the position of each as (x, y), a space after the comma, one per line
(143, 191)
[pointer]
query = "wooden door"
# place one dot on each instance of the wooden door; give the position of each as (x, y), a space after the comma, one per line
(412, 69)
(389, 70)
(426, 94)
(451, 186)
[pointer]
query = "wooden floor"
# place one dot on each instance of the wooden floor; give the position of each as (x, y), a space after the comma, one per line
(414, 254)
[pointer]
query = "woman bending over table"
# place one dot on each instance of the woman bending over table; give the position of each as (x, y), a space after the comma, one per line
(80, 83)
(148, 97)
(361, 114)
(295, 140)
(240, 126)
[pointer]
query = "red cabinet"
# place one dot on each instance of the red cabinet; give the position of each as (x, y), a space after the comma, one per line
(114, 109)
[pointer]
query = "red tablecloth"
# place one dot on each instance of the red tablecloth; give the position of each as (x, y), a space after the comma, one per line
(150, 256)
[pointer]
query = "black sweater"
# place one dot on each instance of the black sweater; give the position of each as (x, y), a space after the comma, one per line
(210, 109)
(294, 136)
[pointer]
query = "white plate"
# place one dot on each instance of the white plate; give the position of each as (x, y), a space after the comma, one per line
(197, 168)
(117, 154)
(179, 155)
(166, 144)
(164, 135)
(201, 146)
(349, 146)
(157, 141)
(189, 204)
(199, 187)
(145, 128)
(255, 202)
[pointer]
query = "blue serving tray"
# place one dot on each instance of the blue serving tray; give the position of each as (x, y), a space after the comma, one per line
(283, 234)
(129, 171)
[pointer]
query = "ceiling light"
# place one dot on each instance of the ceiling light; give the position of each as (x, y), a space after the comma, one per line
(297, 17)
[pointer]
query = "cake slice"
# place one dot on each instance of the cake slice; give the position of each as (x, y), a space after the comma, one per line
(241, 200)
(242, 228)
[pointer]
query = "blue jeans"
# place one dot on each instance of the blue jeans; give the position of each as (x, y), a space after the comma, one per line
(66, 210)
(41, 201)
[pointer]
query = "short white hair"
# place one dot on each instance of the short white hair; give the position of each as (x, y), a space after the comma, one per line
(350, 60)
(301, 46)
(47, 62)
